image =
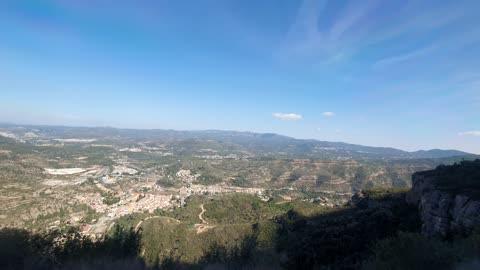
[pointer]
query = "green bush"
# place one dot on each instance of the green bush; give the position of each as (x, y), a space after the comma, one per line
(414, 251)
(209, 180)
(410, 251)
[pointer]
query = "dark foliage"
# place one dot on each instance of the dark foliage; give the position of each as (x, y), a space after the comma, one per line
(415, 252)
(341, 240)
(463, 177)
(20, 249)
(378, 230)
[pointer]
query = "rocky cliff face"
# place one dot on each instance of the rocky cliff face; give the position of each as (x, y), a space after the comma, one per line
(442, 210)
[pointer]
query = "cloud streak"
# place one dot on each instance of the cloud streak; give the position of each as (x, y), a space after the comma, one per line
(288, 116)
(404, 57)
(315, 34)
(328, 114)
(470, 133)
(308, 38)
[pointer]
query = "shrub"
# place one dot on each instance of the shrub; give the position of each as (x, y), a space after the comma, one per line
(414, 251)
(410, 251)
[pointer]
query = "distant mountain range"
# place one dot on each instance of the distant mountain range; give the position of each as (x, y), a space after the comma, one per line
(261, 144)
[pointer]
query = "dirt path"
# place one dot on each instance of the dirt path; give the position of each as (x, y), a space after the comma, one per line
(201, 213)
(110, 227)
(138, 225)
(282, 202)
(141, 221)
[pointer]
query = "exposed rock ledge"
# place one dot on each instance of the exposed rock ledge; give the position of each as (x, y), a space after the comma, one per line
(442, 211)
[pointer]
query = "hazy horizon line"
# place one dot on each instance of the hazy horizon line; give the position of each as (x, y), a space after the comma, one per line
(223, 130)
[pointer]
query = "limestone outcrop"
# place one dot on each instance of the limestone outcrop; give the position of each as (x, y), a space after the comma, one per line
(445, 207)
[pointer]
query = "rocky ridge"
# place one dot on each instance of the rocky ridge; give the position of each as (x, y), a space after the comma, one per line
(446, 208)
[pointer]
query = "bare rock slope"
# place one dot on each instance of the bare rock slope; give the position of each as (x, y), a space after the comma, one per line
(447, 197)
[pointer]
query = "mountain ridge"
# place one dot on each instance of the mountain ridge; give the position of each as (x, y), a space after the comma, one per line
(259, 143)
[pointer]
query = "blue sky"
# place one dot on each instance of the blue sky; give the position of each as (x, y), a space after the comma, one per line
(404, 74)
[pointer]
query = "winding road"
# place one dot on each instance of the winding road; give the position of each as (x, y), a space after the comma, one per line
(201, 213)
(199, 216)
(141, 221)
(167, 218)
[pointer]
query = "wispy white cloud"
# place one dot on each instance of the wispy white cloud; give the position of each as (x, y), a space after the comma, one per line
(352, 28)
(306, 38)
(303, 35)
(288, 116)
(470, 133)
(328, 114)
(412, 55)
(348, 21)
